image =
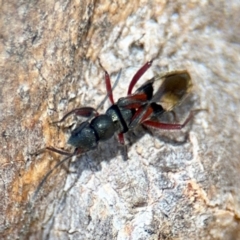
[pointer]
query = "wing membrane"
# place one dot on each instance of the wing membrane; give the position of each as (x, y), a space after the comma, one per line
(170, 89)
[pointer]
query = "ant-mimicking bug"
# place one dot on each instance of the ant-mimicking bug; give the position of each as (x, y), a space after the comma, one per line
(155, 97)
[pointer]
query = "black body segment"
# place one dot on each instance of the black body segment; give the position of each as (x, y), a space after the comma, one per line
(103, 127)
(120, 117)
(84, 137)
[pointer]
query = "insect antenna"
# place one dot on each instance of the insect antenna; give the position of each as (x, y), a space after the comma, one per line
(47, 175)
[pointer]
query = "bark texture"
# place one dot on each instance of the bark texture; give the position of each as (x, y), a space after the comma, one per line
(175, 184)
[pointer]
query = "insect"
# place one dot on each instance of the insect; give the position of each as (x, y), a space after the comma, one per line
(155, 97)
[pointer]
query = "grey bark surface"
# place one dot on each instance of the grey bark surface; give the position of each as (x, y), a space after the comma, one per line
(175, 184)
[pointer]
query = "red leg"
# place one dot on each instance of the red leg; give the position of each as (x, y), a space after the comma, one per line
(108, 84)
(138, 75)
(121, 138)
(132, 101)
(109, 87)
(53, 149)
(170, 126)
(83, 112)
(145, 112)
(140, 115)
(60, 151)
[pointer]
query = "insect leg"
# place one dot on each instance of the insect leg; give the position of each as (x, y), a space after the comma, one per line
(109, 87)
(108, 84)
(144, 113)
(60, 151)
(121, 138)
(171, 126)
(53, 149)
(138, 75)
(83, 112)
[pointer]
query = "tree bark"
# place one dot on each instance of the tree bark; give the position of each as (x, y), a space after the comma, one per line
(175, 184)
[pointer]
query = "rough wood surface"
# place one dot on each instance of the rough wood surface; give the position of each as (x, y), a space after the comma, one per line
(175, 185)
